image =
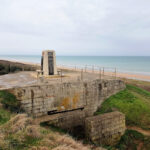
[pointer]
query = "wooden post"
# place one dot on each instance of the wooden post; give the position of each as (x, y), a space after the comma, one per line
(61, 75)
(115, 73)
(75, 68)
(103, 71)
(100, 76)
(93, 69)
(85, 67)
(82, 74)
(9, 68)
(37, 76)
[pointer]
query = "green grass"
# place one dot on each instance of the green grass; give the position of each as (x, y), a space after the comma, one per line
(4, 116)
(134, 102)
(9, 101)
(23, 144)
(131, 140)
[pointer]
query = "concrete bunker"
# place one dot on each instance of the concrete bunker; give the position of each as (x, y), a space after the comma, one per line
(70, 101)
(65, 104)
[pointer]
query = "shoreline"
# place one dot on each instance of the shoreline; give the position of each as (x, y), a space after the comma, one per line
(118, 74)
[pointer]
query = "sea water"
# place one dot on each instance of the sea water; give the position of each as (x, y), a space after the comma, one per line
(125, 64)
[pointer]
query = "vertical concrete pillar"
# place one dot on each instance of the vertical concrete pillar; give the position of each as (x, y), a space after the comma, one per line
(48, 63)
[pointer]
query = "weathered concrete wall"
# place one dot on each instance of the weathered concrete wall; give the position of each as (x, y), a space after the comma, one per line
(105, 129)
(64, 98)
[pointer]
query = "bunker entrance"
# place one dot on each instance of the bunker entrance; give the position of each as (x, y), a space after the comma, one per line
(78, 132)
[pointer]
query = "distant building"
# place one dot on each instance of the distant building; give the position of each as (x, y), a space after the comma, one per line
(48, 63)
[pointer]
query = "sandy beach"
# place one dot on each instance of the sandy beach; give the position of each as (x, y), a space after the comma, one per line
(113, 74)
(106, 73)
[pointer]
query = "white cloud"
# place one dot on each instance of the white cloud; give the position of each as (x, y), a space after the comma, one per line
(98, 27)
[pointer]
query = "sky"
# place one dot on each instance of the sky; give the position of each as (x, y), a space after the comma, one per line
(75, 27)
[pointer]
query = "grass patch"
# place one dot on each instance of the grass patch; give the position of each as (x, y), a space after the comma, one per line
(53, 128)
(138, 90)
(129, 139)
(24, 144)
(15, 143)
(132, 140)
(134, 102)
(4, 116)
(9, 101)
(31, 141)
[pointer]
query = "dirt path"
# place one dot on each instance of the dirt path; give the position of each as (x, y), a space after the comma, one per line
(144, 132)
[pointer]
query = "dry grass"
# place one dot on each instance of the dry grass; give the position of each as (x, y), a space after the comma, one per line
(17, 123)
(21, 133)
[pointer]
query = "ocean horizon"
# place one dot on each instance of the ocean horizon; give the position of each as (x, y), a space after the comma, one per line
(124, 64)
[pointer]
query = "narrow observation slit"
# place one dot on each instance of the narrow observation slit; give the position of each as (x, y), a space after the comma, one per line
(56, 112)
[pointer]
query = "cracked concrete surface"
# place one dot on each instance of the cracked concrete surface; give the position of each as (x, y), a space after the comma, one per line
(17, 80)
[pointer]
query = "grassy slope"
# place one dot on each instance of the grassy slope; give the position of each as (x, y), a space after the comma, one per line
(141, 84)
(133, 102)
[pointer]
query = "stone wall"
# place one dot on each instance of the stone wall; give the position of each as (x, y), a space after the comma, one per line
(105, 129)
(62, 99)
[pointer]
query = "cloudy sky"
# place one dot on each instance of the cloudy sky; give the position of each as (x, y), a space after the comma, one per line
(75, 27)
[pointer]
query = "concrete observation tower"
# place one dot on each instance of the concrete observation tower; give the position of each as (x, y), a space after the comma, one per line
(48, 63)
